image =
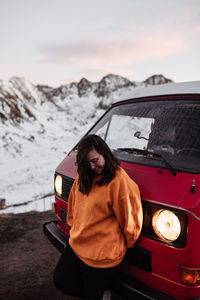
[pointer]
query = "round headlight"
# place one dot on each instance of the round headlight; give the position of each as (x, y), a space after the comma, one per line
(58, 185)
(166, 225)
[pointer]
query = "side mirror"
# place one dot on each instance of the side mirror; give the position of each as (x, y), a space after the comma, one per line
(137, 134)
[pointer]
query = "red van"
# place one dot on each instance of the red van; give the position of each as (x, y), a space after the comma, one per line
(155, 133)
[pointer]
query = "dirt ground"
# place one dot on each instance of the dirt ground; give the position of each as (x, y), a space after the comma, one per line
(27, 259)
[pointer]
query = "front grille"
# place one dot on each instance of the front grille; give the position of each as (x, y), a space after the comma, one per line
(63, 214)
(66, 186)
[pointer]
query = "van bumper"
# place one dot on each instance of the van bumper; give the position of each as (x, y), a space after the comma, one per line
(55, 235)
(126, 287)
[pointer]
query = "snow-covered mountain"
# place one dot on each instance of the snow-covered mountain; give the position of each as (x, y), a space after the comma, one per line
(156, 79)
(19, 98)
(40, 124)
(107, 85)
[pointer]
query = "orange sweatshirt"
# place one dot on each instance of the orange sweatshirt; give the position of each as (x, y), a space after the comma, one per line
(105, 222)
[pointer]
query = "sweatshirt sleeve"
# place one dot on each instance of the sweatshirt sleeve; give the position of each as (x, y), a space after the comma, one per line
(71, 204)
(128, 210)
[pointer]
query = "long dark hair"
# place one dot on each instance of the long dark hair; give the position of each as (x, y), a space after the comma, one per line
(86, 175)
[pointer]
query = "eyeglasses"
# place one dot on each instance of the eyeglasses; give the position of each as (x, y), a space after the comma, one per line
(94, 161)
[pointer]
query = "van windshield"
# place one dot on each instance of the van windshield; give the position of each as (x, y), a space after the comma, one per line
(169, 128)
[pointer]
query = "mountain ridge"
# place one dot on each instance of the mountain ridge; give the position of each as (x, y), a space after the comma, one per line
(19, 98)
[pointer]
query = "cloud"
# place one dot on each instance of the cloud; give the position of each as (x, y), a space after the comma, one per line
(116, 52)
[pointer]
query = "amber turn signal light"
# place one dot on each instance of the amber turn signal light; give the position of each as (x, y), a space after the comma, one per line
(190, 276)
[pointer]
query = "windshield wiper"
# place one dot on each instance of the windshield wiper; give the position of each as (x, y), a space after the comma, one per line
(146, 153)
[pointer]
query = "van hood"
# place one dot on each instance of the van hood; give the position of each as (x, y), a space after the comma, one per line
(160, 186)
(156, 185)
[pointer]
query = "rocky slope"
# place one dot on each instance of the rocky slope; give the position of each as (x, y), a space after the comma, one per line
(156, 79)
(20, 99)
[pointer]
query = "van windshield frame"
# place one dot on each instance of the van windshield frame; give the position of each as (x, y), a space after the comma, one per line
(167, 126)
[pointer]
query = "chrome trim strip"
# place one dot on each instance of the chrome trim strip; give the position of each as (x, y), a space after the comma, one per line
(173, 206)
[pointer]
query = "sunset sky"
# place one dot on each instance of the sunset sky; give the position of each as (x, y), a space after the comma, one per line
(56, 42)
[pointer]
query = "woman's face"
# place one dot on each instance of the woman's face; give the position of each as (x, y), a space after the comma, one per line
(96, 161)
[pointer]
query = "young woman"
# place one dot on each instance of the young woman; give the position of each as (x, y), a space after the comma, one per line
(105, 215)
